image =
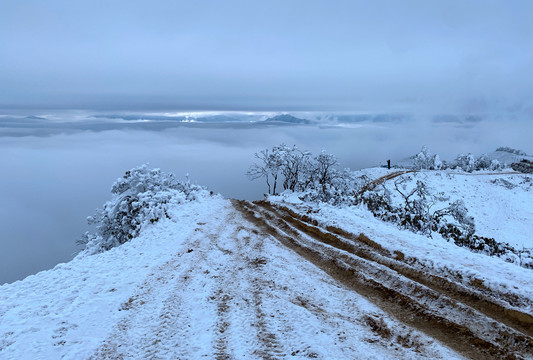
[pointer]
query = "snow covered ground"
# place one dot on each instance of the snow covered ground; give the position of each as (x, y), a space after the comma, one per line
(225, 279)
(66, 311)
(501, 204)
(502, 207)
(206, 284)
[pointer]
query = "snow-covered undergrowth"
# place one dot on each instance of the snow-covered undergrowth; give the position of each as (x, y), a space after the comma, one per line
(482, 211)
(499, 207)
(142, 196)
(412, 201)
(502, 157)
(435, 255)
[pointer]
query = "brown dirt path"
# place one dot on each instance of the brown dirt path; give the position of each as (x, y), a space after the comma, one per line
(443, 311)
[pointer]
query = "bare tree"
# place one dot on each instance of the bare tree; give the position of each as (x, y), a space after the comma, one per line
(297, 170)
(294, 163)
(324, 168)
(269, 168)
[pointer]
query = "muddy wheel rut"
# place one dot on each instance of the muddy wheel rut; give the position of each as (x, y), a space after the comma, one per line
(465, 321)
(365, 248)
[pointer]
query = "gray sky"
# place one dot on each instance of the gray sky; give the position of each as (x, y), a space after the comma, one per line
(265, 55)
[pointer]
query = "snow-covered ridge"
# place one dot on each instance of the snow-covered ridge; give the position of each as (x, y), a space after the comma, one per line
(208, 285)
(205, 277)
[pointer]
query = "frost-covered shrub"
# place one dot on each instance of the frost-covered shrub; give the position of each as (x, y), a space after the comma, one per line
(424, 160)
(341, 188)
(316, 177)
(495, 165)
(142, 196)
(415, 213)
(511, 150)
(427, 161)
(470, 163)
(465, 162)
(485, 163)
(524, 166)
(491, 247)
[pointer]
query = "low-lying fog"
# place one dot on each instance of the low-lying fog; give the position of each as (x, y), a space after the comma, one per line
(52, 180)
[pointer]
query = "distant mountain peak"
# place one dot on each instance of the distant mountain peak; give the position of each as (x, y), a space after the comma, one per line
(286, 118)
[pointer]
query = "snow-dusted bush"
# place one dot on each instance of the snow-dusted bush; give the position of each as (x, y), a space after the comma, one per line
(524, 166)
(511, 150)
(470, 163)
(465, 162)
(415, 213)
(425, 160)
(142, 196)
(298, 171)
(417, 210)
(483, 162)
(343, 187)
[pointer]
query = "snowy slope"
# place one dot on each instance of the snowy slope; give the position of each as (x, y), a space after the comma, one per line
(505, 157)
(206, 284)
(225, 279)
(435, 255)
(502, 207)
(501, 204)
(66, 311)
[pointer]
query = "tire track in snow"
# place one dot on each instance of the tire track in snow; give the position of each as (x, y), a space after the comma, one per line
(240, 296)
(227, 290)
(413, 308)
(294, 315)
(183, 331)
(235, 295)
(176, 326)
(129, 337)
(364, 248)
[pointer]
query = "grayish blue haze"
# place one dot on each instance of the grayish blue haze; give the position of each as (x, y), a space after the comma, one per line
(461, 69)
(278, 55)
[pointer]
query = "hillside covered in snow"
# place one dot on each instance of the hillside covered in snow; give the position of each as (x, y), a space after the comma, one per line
(174, 271)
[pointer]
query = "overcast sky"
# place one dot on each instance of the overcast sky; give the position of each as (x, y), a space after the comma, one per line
(265, 55)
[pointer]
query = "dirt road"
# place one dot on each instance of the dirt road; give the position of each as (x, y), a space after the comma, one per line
(262, 282)
(472, 322)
